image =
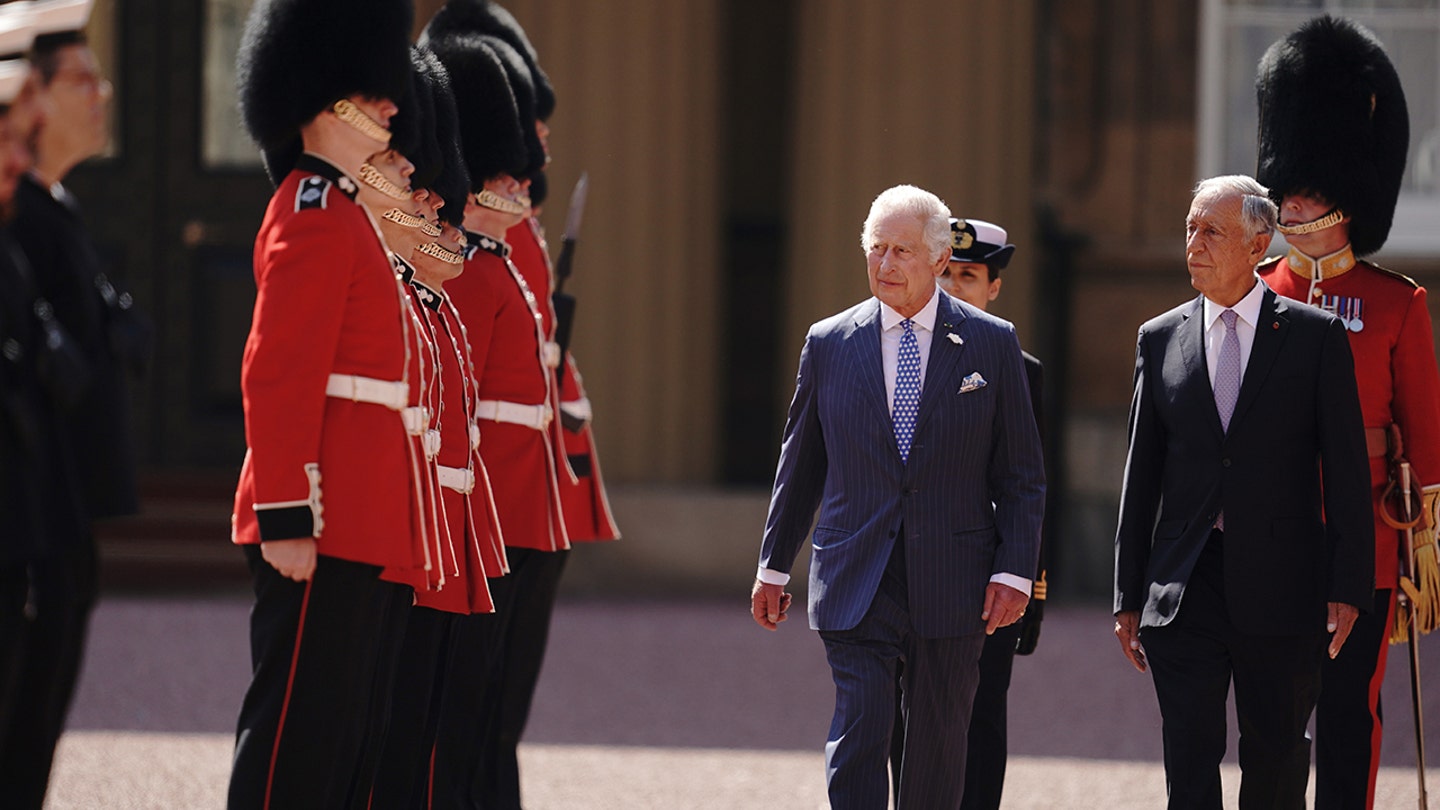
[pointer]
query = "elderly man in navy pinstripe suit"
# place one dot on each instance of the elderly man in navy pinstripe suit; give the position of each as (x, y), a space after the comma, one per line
(911, 432)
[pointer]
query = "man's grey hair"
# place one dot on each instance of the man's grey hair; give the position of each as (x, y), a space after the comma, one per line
(1258, 212)
(916, 202)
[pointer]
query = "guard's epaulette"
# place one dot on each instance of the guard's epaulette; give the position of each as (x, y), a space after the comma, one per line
(1265, 265)
(1387, 271)
(314, 192)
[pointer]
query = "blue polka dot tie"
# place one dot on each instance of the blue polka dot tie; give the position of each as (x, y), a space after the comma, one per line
(907, 389)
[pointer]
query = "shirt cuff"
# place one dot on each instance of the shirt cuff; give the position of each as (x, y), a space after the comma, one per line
(1019, 583)
(770, 576)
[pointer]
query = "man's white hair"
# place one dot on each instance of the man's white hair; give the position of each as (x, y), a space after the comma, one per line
(1258, 213)
(918, 203)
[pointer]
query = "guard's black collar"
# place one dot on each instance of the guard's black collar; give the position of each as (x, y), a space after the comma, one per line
(314, 164)
(477, 241)
(431, 298)
(402, 268)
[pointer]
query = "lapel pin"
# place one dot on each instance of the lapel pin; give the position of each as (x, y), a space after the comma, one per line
(956, 339)
(1275, 325)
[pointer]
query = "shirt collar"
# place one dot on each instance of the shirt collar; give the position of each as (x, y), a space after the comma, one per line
(1335, 264)
(1248, 308)
(925, 318)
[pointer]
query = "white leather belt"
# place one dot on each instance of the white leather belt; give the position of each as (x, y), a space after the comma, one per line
(459, 479)
(531, 416)
(577, 408)
(393, 395)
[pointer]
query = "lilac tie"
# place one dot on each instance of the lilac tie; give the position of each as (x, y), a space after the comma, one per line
(1227, 371)
(907, 389)
(1227, 380)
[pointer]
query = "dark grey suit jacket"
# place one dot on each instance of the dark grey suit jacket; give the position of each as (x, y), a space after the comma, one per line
(1291, 474)
(971, 497)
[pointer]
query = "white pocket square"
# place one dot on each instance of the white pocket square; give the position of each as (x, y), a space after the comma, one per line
(972, 382)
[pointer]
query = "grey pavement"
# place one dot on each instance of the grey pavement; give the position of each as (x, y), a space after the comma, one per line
(664, 704)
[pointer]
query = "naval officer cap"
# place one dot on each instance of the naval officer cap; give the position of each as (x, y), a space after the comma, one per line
(979, 242)
(59, 22)
(17, 30)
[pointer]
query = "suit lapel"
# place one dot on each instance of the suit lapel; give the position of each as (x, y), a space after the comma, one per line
(1196, 374)
(944, 354)
(864, 350)
(1270, 332)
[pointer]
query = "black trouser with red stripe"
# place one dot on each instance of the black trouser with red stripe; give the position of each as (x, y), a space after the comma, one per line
(495, 663)
(403, 778)
(314, 716)
(1348, 716)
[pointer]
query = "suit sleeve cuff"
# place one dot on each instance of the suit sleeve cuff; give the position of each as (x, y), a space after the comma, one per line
(1019, 583)
(770, 576)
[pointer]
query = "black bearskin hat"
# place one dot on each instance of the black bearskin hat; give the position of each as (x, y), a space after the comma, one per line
(524, 90)
(1333, 122)
(412, 127)
(539, 188)
(447, 176)
(297, 57)
(485, 17)
(491, 137)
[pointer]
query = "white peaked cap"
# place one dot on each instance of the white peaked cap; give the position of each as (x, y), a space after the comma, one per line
(13, 73)
(55, 16)
(17, 27)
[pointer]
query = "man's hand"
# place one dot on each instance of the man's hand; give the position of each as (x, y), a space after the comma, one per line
(1003, 606)
(768, 604)
(294, 559)
(1339, 618)
(1127, 629)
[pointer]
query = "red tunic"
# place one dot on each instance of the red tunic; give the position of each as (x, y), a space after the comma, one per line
(1394, 365)
(587, 508)
(465, 538)
(504, 326)
(327, 303)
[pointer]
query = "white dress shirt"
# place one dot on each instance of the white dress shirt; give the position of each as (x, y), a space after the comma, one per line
(1248, 310)
(923, 323)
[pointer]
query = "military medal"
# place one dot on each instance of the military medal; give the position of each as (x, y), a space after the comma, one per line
(1355, 323)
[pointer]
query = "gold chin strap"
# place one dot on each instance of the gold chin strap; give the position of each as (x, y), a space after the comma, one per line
(1329, 220)
(346, 111)
(435, 251)
(372, 177)
(405, 220)
(429, 229)
(486, 198)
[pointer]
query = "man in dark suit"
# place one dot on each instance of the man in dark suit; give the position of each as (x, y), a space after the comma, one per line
(911, 431)
(1245, 531)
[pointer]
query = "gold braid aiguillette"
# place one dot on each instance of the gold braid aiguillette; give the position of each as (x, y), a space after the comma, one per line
(346, 111)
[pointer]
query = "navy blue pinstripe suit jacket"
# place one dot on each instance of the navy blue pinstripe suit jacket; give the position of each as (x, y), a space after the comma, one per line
(970, 499)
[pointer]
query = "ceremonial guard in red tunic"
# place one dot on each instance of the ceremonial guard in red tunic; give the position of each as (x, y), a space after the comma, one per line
(326, 499)
(518, 437)
(1333, 138)
(471, 548)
